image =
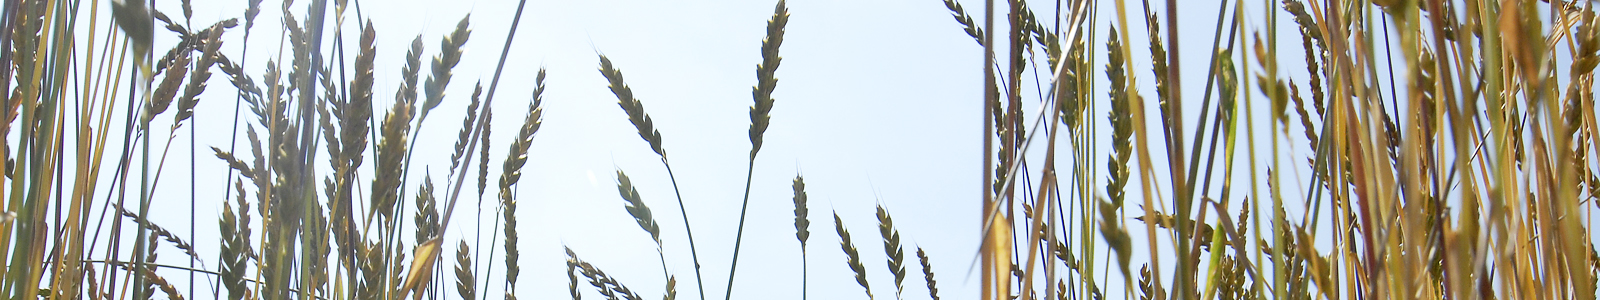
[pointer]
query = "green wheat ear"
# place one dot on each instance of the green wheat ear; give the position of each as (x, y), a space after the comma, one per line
(852, 256)
(637, 208)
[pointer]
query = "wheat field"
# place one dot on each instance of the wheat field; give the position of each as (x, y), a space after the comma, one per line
(1028, 150)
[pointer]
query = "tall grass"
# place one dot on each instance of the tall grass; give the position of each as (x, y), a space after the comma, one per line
(1465, 177)
(1450, 145)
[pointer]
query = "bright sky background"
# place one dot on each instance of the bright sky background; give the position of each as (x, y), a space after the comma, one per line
(878, 103)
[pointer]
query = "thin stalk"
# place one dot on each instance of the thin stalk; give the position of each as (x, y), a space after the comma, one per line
(739, 236)
(689, 231)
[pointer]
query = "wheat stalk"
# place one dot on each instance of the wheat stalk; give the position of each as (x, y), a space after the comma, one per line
(853, 257)
(646, 126)
(760, 118)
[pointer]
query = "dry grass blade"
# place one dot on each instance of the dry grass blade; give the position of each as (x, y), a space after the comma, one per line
(892, 250)
(466, 283)
(449, 55)
(417, 276)
(637, 208)
(760, 113)
(927, 274)
(853, 257)
(631, 106)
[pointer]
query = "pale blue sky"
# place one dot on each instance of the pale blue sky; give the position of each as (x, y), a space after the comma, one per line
(878, 102)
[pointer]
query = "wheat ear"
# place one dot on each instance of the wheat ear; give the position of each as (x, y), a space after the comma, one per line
(760, 118)
(853, 257)
(636, 114)
(637, 208)
(927, 274)
(892, 250)
(466, 283)
(449, 55)
(801, 228)
(511, 172)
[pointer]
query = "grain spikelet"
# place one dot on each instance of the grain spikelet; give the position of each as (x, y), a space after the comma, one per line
(572, 279)
(466, 283)
(161, 98)
(606, 285)
(801, 224)
(161, 232)
(631, 106)
(927, 274)
(356, 114)
(483, 157)
(390, 154)
(171, 291)
(971, 27)
(202, 72)
(637, 208)
(760, 113)
(892, 250)
(234, 244)
(672, 289)
(853, 257)
(1117, 166)
(465, 133)
(427, 218)
(511, 172)
(449, 55)
(407, 92)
